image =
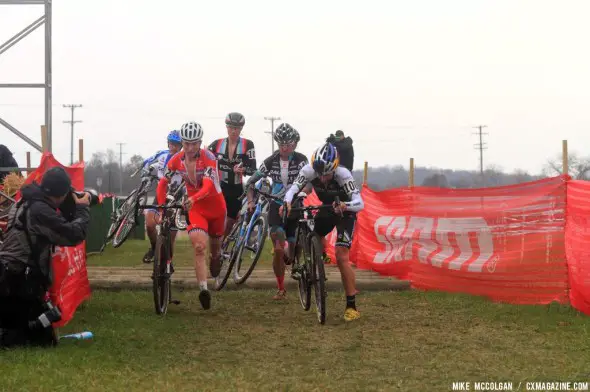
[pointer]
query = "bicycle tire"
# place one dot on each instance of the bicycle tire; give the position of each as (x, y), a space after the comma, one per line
(318, 277)
(261, 220)
(117, 222)
(304, 282)
(126, 222)
(161, 282)
(229, 240)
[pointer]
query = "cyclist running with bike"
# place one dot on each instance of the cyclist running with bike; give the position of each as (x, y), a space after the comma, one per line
(155, 166)
(205, 203)
(236, 158)
(330, 180)
(282, 167)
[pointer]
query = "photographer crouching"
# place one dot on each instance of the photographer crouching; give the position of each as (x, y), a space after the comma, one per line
(35, 226)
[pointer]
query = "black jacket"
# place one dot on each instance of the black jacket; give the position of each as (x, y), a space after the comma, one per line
(46, 227)
(345, 150)
(6, 160)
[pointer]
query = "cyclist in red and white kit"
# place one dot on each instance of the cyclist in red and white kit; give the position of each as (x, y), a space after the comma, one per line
(205, 205)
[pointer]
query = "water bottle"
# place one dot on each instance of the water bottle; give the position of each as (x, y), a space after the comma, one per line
(79, 336)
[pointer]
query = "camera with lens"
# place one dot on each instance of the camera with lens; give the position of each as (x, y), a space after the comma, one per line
(93, 195)
(68, 207)
(50, 316)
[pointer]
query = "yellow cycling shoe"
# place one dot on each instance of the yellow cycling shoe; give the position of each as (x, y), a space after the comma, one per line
(351, 314)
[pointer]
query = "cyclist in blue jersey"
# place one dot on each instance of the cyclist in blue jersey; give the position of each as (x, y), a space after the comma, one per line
(155, 166)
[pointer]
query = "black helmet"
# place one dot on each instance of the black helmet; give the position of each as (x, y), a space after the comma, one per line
(286, 134)
(297, 138)
(235, 119)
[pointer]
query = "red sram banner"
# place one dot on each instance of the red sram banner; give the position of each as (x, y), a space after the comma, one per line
(506, 243)
(70, 278)
(577, 240)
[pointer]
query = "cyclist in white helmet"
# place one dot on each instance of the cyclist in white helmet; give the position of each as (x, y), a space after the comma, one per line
(205, 204)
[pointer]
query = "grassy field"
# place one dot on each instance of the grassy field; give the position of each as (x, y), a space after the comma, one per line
(131, 253)
(406, 341)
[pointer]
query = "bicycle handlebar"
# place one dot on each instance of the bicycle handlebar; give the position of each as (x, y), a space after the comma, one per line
(310, 208)
(268, 195)
(137, 171)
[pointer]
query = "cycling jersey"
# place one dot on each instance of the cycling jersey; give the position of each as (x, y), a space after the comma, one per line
(244, 154)
(342, 185)
(202, 184)
(159, 161)
(282, 173)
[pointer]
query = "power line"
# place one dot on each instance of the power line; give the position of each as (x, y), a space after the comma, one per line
(272, 130)
(72, 122)
(121, 168)
(481, 146)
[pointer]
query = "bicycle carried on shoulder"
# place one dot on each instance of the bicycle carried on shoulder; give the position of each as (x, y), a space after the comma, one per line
(240, 239)
(124, 218)
(163, 268)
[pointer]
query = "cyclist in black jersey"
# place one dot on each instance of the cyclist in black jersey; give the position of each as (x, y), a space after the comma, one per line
(236, 158)
(282, 167)
(330, 180)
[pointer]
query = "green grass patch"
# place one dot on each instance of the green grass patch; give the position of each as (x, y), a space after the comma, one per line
(407, 341)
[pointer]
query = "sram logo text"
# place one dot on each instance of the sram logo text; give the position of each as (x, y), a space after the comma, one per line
(455, 243)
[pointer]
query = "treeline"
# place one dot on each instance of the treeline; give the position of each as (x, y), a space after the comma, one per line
(105, 166)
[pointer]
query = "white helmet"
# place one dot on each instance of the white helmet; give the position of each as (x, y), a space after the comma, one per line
(191, 132)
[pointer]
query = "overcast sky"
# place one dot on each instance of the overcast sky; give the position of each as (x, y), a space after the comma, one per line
(402, 78)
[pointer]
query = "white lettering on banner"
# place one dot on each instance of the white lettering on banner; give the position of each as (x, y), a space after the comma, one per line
(74, 256)
(435, 241)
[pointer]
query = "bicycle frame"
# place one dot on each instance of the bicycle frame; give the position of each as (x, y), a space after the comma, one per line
(248, 228)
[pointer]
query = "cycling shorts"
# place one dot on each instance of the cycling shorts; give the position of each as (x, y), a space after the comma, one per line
(275, 222)
(325, 221)
(231, 193)
(208, 218)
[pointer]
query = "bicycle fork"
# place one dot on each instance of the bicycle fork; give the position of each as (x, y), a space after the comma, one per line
(297, 268)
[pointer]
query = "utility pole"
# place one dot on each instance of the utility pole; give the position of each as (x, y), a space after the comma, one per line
(121, 168)
(272, 130)
(72, 122)
(481, 146)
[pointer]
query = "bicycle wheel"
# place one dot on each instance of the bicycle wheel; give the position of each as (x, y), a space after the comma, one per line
(118, 218)
(259, 229)
(228, 256)
(127, 222)
(318, 277)
(161, 277)
(302, 251)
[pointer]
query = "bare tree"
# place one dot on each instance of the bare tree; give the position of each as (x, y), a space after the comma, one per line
(578, 167)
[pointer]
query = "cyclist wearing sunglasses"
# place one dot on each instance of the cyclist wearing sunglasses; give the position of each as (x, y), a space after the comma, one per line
(330, 180)
(282, 167)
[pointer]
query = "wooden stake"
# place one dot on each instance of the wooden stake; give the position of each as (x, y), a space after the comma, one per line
(411, 173)
(366, 173)
(565, 167)
(81, 150)
(28, 163)
(44, 138)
